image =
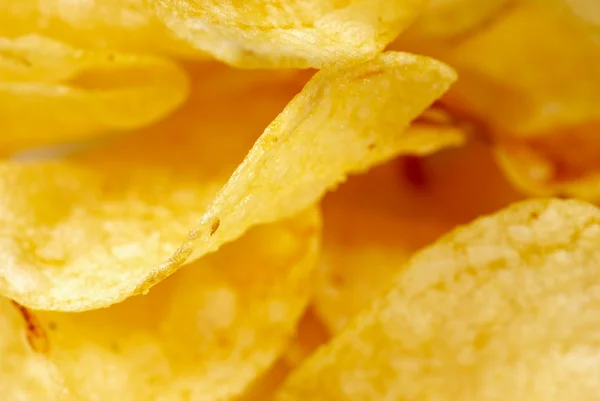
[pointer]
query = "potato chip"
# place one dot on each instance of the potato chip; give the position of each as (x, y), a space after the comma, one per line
(288, 33)
(585, 12)
(125, 25)
(451, 18)
(114, 223)
(375, 222)
(205, 333)
(504, 308)
(511, 77)
(24, 373)
(50, 92)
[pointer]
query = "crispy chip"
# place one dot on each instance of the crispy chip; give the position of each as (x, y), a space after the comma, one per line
(126, 25)
(454, 18)
(511, 76)
(502, 308)
(50, 92)
(560, 165)
(25, 374)
(585, 12)
(288, 33)
(205, 333)
(374, 222)
(112, 222)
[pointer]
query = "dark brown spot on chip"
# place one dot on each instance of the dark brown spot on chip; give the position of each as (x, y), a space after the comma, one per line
(215, 226)
(36, 336)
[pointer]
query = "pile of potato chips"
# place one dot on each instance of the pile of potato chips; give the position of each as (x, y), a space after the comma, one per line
(296, 200)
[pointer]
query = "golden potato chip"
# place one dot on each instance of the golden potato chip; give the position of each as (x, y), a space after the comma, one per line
(375, 222)
(504, 308)
(451, 18)
(25, 374)
(563, 164)
(511, 75)
(125, 25)
(288, 33)
(114, 222)
(585, 12)
(206, 333)
(50, 92)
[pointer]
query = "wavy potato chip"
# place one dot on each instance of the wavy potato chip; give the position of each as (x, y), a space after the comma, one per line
(563, 163)
(375, 222)
(123, 25)
(51, 92)
(511, 76)
(205, 333)
(453, 18)
(113, 223)
(288, 33)
(585, 12)
(502, 308)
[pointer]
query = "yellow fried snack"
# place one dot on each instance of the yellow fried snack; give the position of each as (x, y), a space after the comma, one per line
(540, 109)
(51, 92)
(375, 222)
(25, 372)
(205, 333)
(503, 308)
(512, 78)
(585, 13)
(454, 18)
(288, 33)
(118, 25)
(114, 222)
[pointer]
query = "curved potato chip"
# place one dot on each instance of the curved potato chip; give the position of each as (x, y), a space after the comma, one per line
(50, 92)
(205, 333)
(450, 18)
(114, 223)
(24, 373)
(556, 168)
(124, 25)
(503, 308)
(288, 33)
(375, 222)
(585, 12)
(511, 77)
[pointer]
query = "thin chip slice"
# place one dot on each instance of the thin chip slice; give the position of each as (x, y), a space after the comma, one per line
(25, 374)
(52, 93)
(584, 12)
(112, 223)
(123, 25)
(288, 33)
(450, 19)
(544, 170)
(375, 222)
(504, 308)
(511, 77)
(205, 333)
